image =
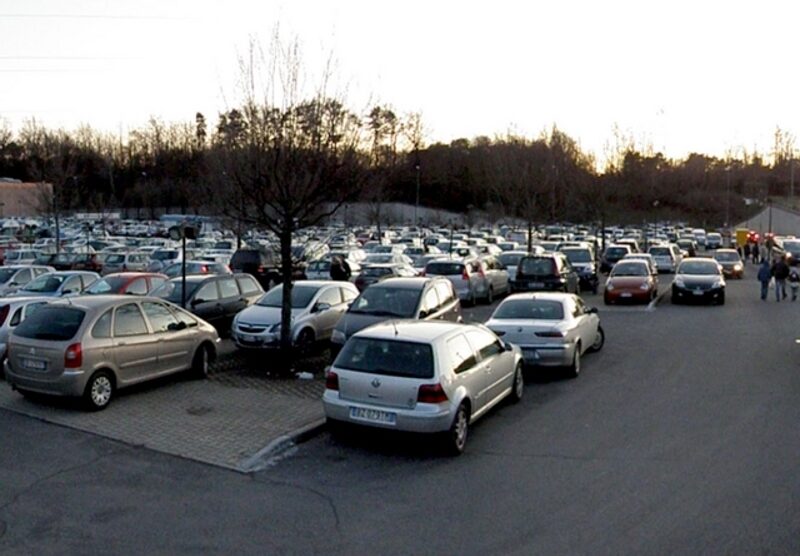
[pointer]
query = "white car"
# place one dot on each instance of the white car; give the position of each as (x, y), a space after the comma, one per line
(552, 329)
(426, 377)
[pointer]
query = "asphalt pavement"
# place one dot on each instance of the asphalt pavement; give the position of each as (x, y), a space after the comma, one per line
(681, 436)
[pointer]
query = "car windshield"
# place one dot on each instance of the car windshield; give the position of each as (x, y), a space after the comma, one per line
(115, 259)
(387, 357)
(376, 271)
(45, 283)
(538, 309)
(6, 274)
(630, 269)
(510, 259)
(320, 266)
(444, 269)
(172, 290)
(301, 296)
(164, 255)
(387, 302)
(106, 285)
(536, 266)
(727, 256)
(578, 255)
(51, 323)
(698, 267)
(660, 251)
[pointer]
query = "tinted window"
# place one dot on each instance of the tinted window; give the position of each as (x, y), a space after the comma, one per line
(578, 255)
(106, 285)
(536, 266)
(159, 316)
(208, 292)
(387, 357)
(698, 267)
(444, 269)
(630, 269)
(102, 328)
(510, 259)
(228, 288)
(45, 283)
(52, 323)
(537, 309)
(31, 308)
(129, 321)
(461, 354)
(376, 271)
(23, 277)
(248, 284)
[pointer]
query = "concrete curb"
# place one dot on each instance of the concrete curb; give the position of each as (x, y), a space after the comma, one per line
(280, 446)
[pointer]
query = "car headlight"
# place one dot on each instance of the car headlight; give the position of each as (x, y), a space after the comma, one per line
(644, 287)
(680, 283)
(737, 267)
(609, 286)
(717, 284)
(338, 337)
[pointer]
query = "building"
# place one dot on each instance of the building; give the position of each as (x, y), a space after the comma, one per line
(20, 199)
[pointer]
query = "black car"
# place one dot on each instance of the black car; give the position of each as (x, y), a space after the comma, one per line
(699, 279)
(582, 259)
(546, 272)
(263, 264)
(431, 298)
(612, 256)
(214, 298)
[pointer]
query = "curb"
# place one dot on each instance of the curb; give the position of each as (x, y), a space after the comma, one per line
(280, 446)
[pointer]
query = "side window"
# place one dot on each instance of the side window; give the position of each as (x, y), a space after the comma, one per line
(137, 287)
(156, 281)
(445, 292)
(184, 317)
(129, 321)
(17, 318)
(73, 284)
(208, 292)
(102, 328)
(430, 301)
(247, 284)
(23, 277)
(348, 295)
(484, 343)
(159, 316)
(330, 296)
(228, 288)
(461, 354)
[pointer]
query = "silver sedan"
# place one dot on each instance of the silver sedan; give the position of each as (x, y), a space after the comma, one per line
(552, 329)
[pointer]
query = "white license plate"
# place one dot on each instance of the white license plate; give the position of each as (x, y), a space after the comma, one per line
(698, 292)
(535, 284)
(249, 338)
(373, 415)
(531, 353)
(626, 294)
(34, 365)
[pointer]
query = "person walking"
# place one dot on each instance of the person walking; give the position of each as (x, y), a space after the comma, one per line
(764, 253)
(746, 251)
(780, 270)
(340, 270)
(794, 283)
(764, 276)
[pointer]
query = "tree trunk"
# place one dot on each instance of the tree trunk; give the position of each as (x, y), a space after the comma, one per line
(285, 360)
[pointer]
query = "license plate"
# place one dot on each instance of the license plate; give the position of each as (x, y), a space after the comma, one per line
(34, 365)
(535, 284)
(249, 338)
(531, 353)
(698, 292)
(626, 294)
(373, 415)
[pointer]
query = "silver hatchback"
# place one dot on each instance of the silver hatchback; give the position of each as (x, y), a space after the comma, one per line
(428, 377)
(90, 346)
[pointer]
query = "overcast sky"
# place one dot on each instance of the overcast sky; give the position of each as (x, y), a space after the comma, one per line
(683, 75)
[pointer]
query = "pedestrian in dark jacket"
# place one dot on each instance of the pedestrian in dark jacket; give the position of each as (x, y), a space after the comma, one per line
(340, 270)
(794, 283)
(764, 276)
(746, 250)
(780, 270)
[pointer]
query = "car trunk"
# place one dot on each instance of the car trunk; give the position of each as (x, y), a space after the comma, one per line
(523, 331)
(38, 358)
(378, 390)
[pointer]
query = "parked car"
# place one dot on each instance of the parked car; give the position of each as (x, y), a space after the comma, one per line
(496, 276)
(430, 298)
(613, 254)
(321, 269)
(20, 256)
(58, 284)
(551, 329)
(373, 274)
(162, 258)
(92, 262)
(582, 260)
(699, 279)
(214, 298)
(546, 272)
(262, 264)
(130, 283)
(13, 277)
(466, 276)
(12, 312)
(730, 261)
(510, 260)
(92, 346)
(125, 262)
(422, 377)
(317, 307)
(196, 267)
(58, 261)
(631, 280)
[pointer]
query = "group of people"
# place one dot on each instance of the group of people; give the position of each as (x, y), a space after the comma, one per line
(754, 251)
(782, 273)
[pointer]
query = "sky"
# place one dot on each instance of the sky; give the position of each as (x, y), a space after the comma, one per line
(683, 76)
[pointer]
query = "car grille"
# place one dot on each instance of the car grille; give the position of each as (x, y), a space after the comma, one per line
(703, 286)
(251, 329)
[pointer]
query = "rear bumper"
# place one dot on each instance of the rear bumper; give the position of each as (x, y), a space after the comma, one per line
(424, 418)
(69, 383)
(630, 296)
(547, 355)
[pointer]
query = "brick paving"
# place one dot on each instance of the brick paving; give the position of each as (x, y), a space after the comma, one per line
(223, 421)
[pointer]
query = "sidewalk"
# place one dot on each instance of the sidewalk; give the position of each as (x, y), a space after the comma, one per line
(237, 419)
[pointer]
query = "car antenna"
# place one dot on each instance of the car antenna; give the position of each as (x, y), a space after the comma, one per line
(394, 325)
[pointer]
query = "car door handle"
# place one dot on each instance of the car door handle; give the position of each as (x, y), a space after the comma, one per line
(122, 343)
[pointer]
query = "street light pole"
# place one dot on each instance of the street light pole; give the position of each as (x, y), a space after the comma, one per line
(728, 197)
(416, 205)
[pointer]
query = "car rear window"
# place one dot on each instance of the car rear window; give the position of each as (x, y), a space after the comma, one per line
(617, 251)
(52, 323)
(537, 309)
(387, 357)
(444, 269)
(660, 251)
(536, 266)
(376, 271)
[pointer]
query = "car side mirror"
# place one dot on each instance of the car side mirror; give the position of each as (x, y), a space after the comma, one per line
(507, 346)
(423, 314)
(319, 307)
(592, 310)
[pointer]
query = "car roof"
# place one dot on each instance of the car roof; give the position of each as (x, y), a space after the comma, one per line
(100, 302)
(548, 296)
(133, 275)
(411, 330)
(406, 282)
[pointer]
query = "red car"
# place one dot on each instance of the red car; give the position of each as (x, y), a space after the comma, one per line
(133, 283)
(631, 281)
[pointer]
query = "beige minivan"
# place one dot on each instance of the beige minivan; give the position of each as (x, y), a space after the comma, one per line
(89, 346)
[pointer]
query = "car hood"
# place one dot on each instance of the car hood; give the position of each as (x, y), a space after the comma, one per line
(265, 316)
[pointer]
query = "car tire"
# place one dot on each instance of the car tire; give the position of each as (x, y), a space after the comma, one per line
(575, 368)
(200, 363)
(456, 437)
(607, 300)
(599, 340)
(518, 386)
(305, 340)
(99, 391)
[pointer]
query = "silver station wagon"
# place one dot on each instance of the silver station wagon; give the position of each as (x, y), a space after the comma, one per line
(90, 346)
(428, 377)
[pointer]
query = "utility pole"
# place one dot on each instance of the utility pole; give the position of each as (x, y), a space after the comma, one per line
(791, 183)
(416, 205)
(728, 197)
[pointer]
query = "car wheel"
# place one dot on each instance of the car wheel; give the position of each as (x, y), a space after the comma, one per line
(459, 430)
(518, 388)
(473, 299)
(305, 341)
(575, 368)
(200, 362)
(490, 296)
(99, 391)
(599, 340)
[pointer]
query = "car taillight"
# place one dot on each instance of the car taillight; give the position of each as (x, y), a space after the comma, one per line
(204, 269)
(551, 334)
(260, 269)
(465, 275)
(4, 310)
(422, 273)
(431, 393)
(73, 357)
(331, 381)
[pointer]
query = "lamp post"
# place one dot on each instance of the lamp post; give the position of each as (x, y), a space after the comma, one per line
(416, 204)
